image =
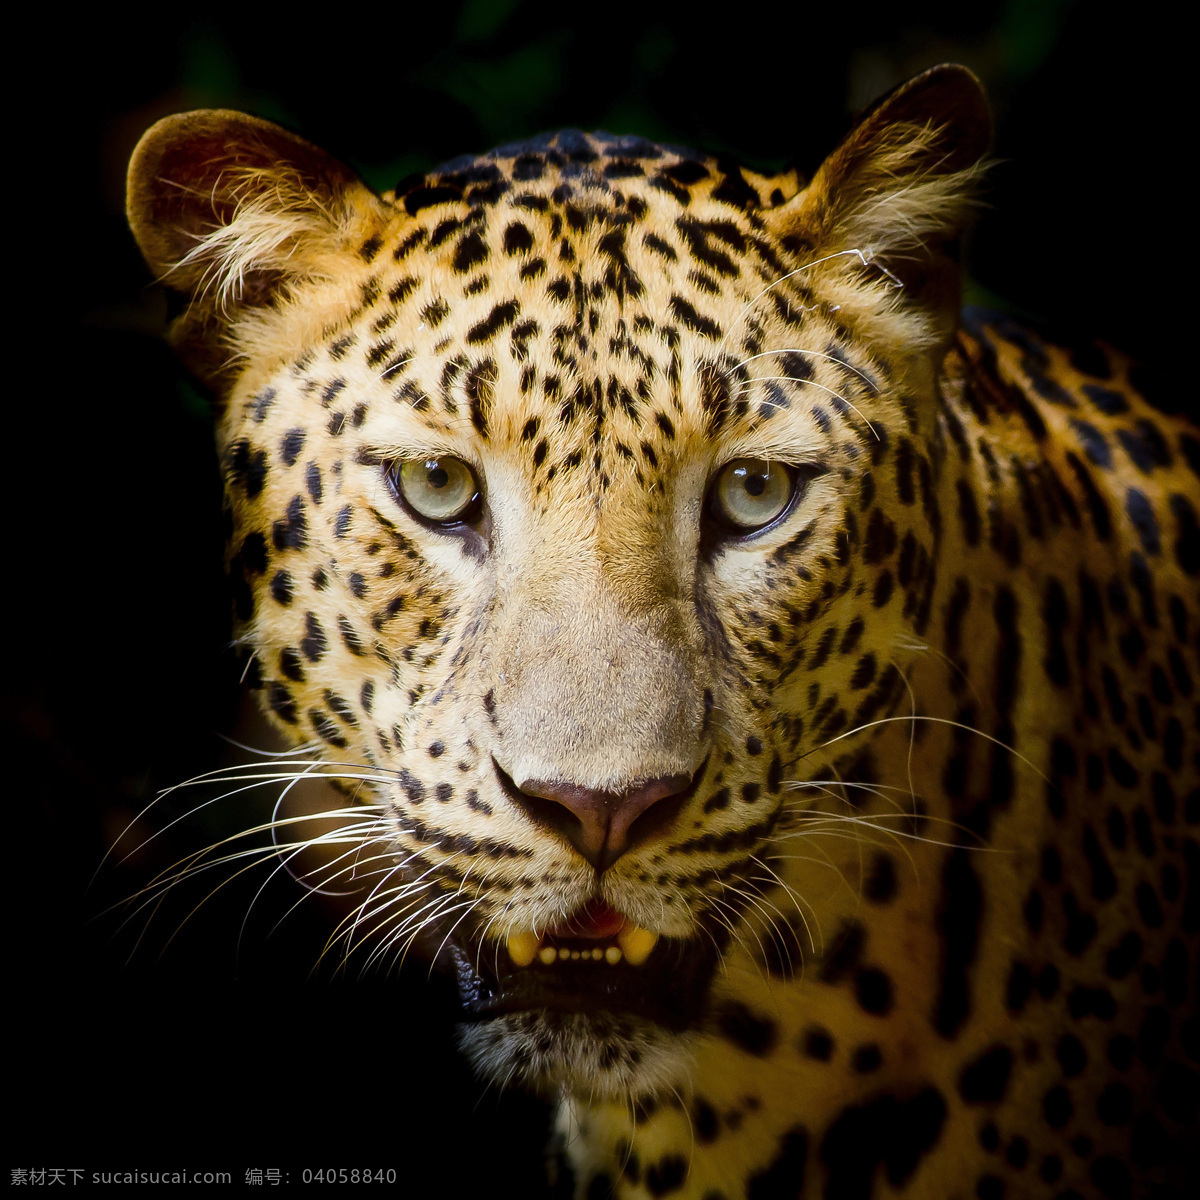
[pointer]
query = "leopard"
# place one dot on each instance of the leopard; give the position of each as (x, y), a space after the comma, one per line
(767, 688)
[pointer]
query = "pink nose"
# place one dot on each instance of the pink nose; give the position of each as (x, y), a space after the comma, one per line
(602, 825)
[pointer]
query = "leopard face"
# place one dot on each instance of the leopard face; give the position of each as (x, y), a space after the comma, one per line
(595, 505)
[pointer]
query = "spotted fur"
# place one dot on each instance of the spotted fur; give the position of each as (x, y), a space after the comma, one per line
(929, 908)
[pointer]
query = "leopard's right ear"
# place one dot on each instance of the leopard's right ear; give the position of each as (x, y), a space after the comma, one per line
(237, 214)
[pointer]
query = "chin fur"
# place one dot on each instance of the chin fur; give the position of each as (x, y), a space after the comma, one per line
(593, 1055)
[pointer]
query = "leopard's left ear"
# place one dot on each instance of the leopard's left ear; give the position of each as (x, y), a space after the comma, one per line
(881, 220)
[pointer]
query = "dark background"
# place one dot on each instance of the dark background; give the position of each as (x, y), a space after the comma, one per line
(119, 676)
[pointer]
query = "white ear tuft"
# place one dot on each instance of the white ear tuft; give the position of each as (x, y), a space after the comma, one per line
(882, 217)
(236, 213)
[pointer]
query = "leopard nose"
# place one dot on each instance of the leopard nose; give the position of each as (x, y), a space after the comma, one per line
(603, 825)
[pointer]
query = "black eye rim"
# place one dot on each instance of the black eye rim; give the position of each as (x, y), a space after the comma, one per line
(800, 475)
(470, 516)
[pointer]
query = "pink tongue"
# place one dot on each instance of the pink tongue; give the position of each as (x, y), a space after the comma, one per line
(594, 920)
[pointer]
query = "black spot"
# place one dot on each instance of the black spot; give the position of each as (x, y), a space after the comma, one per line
(873, 989)
(414, 789)
(984, 1080)
(1057, 1107)
(817, 1044)
(1149, 906)
(785, 1174)
(1187, 544)
(968, 513)
(990, 1187)
(1092, 440)
(754, 1034)
(1101, 519)
(896, 1133)
(313, 482)
(733, 188)
(1109, 402)
(1141, 513)
(248, 467)
(260, 404)
(501, 316)
(666, 1175)
(1124, 956)
(1173, 743)
(864, 673)
(959, 912)
(883, 589)
(281, 702)
(775, 775)
(314, 643)
(292, 533)
(326, 728)
(705, 1122)
(1071, 1055)
(880, 886)
(517, 238)
(290, 446)
(693, 320)
(290, 665)
(660, 247)
(470, 252)
(282, 588)
(880, 540)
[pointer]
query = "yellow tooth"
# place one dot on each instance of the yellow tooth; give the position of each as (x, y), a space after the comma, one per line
(637, 943)
(548, 954)
(523, 946)
(612, 955)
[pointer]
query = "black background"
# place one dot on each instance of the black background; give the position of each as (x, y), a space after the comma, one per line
(119, 677)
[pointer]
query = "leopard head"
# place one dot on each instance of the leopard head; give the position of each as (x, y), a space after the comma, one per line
(579, 497)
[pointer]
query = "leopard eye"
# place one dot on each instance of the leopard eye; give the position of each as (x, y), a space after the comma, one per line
(749, 493)
(442, 490)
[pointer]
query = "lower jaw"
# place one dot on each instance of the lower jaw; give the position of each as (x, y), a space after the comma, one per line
(588, 1026)
(592, 1055)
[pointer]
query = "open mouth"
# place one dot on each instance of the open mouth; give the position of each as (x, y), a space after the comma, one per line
(596, 961)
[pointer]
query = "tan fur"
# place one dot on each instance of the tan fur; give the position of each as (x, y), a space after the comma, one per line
(888, 699)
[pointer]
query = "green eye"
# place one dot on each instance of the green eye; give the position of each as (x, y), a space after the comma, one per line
(750, 493)
(443, 490)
